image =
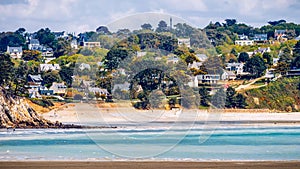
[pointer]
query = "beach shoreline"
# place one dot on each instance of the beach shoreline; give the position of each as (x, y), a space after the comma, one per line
(82, 113)
(148, 165)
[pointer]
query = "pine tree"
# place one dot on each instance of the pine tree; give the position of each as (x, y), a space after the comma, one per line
(204, 97)
(6, 69)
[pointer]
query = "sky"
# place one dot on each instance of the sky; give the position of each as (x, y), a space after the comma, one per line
(86, 15)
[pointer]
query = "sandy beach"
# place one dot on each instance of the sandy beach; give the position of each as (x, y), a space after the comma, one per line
(122, 113)
(148, 165)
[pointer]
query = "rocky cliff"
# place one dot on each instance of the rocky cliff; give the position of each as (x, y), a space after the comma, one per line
(16, 113)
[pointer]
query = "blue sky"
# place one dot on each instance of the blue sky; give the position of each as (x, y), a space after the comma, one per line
(84, 15)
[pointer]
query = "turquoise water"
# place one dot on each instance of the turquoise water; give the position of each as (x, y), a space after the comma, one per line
(202, 144)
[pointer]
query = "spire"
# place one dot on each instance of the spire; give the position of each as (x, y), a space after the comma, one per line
(171, 26)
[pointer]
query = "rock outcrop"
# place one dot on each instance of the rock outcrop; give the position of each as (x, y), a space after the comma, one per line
(16, 113)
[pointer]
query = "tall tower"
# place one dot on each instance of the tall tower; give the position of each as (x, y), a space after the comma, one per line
(171, 26)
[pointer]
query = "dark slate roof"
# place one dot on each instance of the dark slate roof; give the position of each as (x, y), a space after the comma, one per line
(34, 41)
(14, 49)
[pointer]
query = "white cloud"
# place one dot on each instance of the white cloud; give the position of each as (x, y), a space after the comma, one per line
(78, 15)
(191, 5)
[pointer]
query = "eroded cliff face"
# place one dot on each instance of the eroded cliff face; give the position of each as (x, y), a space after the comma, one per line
(16, 113)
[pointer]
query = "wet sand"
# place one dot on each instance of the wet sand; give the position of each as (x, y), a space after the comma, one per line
(148, 165)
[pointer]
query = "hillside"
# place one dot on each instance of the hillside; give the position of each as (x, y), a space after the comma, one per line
(282, 95)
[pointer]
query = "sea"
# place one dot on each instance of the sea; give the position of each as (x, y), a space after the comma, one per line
(157, 142)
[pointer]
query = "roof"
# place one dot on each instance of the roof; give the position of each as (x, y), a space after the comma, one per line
(35, 78)
(43, 88)
(234, 64)
(262, 50)
(14, 49)
(280, 31)
(243, 37)
(259, 37)
(58, 85)
(34, 41)
(46, 67)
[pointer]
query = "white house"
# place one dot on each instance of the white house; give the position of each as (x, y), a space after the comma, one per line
(15, 52)
(243, 37)
(34, 44)
(235, 67)
(34, 93)
(98, 90)
(244, 42)
(280, 35)
(228, 75)
(270, 73)
(91, 44)
(209, 78)
(34, 81)
(48, 67)
(58, 88)
(262, 50)
(184, 41)
(74, 44)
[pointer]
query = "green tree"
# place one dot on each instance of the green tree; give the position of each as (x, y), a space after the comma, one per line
(230, 22)
(219, 98)
(296, 55)
(204, 97)
(50, 77)
(268, 58)
(66, 74)
(240, 101)
(11, 39)
(6, 69)
(162, 26)
(255, 66)
(286, 56)
(19, 79)
(62, 47)
(282, 68)
(243, 57)
(146, 26)
(230, 101)
(188, 98)
(46, 37)
(234, 52)
(31, 55)
(103, 30)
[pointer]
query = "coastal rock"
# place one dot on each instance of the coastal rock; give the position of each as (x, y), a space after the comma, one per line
(16, 113)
